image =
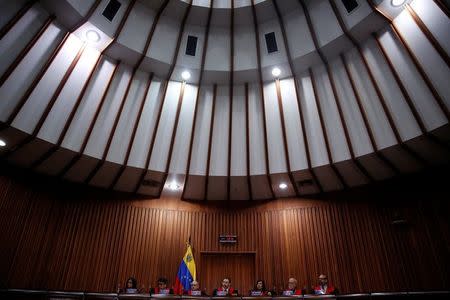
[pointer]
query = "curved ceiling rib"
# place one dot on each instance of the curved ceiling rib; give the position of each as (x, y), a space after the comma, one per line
(361, 96)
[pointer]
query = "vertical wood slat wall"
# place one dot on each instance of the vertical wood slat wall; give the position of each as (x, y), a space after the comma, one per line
(92, 242)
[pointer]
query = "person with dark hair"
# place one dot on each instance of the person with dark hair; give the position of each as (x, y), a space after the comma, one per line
(195, 290)
(324, 288)
(260, 289)
(292, 289)
(130, 287)
(161, 289)
(226, 289)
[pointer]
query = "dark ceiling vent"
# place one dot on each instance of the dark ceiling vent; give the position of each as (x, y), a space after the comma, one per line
(271, 42)
(305, 183)
(151, 183)
(191, 45)
(350, 5)
(111, 9)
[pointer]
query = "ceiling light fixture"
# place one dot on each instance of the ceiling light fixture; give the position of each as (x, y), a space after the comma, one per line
(398, 2)
(186, 75)
(283, 186)
(2, 143)
(276, 72)
(173, 186)
(92, 36)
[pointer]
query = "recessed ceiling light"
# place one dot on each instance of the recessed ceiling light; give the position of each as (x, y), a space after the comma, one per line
(186, 75)
(173, 186)
(398, 2)
(2, 143)
(92, 36)
(283, 185)
(276, 72)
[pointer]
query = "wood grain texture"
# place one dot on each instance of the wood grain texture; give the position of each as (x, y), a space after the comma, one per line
(59, 236)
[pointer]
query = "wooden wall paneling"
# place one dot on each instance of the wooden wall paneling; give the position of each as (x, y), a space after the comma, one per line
(96, 239)
(125, 245)
(344, 251)
(304, 265)
(79, 243)
(336, 247)
(34, 230)
(367, 246)
(103, 252)
(71, 243)
(388, 262)
(63, 246)
(90, 242)
(135, 243)
(85, 245)
(52, 231)
(434, 220)
(102, 242)
(19, 212)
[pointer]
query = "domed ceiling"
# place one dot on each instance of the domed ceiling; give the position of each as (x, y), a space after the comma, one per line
(224, 100)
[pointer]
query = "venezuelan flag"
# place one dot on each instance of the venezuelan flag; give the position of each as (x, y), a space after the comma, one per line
(186, 272)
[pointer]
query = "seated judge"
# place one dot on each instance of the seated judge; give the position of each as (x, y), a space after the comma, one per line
(324, 288)
(195, 290)
(260, 289)
(162, 288)
(292, 289)
(130, 287)
(226, 289)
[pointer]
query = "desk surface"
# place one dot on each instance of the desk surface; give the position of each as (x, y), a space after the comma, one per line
(41, 294)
